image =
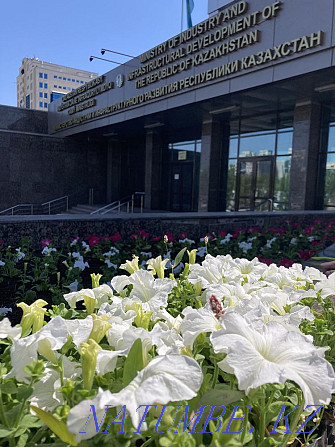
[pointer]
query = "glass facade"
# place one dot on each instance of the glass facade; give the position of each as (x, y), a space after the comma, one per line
(260, 162)
(326, 186)
(184, 175)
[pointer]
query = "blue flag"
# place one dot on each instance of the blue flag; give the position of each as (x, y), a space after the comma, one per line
(189, 9)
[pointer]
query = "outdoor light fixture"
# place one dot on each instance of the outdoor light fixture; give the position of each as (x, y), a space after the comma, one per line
(101, 58)
(325, 88)
(110, 134)
(153, 125)
(224, 110)
(103, 50)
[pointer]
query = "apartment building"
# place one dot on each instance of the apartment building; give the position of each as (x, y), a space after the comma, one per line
(39, 83)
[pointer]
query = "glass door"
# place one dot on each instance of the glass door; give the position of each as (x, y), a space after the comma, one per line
(254, 183)
(182, 186)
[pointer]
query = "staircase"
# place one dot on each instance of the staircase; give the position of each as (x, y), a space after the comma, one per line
(82, 209)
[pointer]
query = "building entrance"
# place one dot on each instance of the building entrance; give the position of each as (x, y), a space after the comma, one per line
(254, 182)
(182, 186)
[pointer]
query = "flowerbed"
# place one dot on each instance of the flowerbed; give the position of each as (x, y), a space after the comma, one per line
(52, 271)
(228, 351)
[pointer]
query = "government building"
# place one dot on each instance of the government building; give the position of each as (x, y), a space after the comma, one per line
(233, 114)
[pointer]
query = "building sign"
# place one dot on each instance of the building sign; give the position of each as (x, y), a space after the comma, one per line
(174, 65)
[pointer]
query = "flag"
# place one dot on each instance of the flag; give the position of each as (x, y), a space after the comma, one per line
(189, 9)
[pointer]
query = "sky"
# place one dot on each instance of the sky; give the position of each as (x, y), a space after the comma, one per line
(68, 32)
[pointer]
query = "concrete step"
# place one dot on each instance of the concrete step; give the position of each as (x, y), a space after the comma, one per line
(83, 209)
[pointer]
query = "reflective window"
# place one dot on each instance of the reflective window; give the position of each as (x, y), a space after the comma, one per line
(257, 145)
(284, 143)
(231, 185)
(233, 147)
(259, 162)
(326, 184)
(329, 195)
(282, 182)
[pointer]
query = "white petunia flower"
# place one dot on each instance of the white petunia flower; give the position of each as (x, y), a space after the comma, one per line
(272, 354)
(327, 287)
(73, 297)
(24, 351)
(198, 321)
(150, 292)
(48, 250)
(166, 379)
(6, 330)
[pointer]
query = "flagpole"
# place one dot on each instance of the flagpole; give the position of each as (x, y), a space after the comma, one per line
(182, 16)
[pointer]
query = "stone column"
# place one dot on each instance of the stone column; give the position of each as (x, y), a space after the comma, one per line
(154, 145)
(213, 164)
(304, 167)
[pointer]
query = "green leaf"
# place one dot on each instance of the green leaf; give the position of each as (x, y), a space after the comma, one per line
(4, 432)
(133, 363)
(8, 388)
(30, 421)
(179, 257)
(23, 440)
(57, 426)
(220, 396)
(24, 392)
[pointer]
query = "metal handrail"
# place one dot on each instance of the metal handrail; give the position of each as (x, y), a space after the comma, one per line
(269, 201)
(117, 204)
(52, 202)
(12, 209)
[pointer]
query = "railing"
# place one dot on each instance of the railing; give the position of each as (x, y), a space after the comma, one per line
(23, 208)
(128, 202)
(56, 205)
(53, 206)
(269, 203)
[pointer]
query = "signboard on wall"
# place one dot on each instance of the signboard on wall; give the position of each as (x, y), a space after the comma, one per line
(240, 39)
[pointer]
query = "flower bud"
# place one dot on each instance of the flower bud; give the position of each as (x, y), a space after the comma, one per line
(89, 352)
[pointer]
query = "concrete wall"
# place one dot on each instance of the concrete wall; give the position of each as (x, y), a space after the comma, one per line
(36, 167)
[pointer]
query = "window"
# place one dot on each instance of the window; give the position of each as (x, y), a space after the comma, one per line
(28, 102)
(82, 82)
(55, 86)
(68, 79)
(64, 88)
(40, 94)
(77, 82)
(73, 80)
(40, 75)
(64, 79)
(326, 190)
(45, 85)
(260, 161)
(59, 77)
(55, 95)
(40, 84)
(45, 75)
(55, 77)
(41, 104)
(45, 95)
(45, 105)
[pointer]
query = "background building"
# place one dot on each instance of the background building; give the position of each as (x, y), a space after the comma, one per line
(40, 83)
